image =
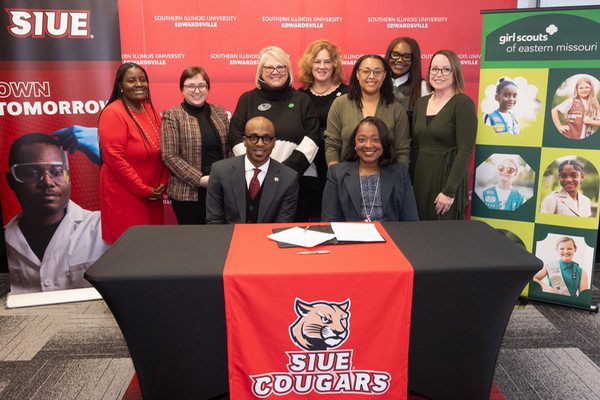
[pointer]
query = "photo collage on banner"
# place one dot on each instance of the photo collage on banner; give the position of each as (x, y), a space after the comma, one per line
(57, 70)
(537, 153)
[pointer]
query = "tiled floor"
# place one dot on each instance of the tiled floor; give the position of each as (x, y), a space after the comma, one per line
(76, 351)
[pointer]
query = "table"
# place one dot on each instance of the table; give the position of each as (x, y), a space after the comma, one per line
(164, 286)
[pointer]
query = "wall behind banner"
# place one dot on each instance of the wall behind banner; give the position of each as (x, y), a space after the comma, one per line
(225, 37)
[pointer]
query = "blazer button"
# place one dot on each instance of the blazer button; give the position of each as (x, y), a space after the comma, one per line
(251, 208)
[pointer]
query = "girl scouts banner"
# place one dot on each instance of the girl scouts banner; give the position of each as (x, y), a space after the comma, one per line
(56, 71)
(538, 147)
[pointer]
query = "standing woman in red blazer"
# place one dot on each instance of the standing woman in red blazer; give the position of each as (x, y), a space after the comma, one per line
(133, 177)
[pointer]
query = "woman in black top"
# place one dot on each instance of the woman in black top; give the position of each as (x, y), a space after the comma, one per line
(322, 77)
(292, 113)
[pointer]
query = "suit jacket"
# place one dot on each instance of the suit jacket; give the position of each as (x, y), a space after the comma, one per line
(226, 195)
(181, 148)
(342, 195)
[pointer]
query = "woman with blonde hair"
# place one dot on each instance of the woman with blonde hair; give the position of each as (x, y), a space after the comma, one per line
(582, 111)
(322, 77)
(292, 113)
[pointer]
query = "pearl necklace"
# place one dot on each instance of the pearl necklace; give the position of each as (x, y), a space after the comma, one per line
(157, 148)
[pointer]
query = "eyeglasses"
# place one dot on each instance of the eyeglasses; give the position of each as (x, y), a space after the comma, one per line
(376, 72)
(266, 139)
(35, 172)
(445, 71)
(280, 69)
(408, 57)
(192, 88)
(510, 170)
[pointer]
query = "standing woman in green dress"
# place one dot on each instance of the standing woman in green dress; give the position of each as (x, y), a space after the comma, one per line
(444, 128)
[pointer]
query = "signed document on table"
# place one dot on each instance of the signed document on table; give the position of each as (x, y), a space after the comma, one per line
(356, 232)
(301, 237)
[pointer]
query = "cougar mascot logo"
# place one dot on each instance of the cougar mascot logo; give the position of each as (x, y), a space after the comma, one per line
(320, 325)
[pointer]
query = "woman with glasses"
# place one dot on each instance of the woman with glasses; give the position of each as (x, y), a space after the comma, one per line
(403, 55)
(193, 137)
(369, 185)
(444, 129)
(322, 78)
(133, 177)
(292, 113)
(370, 94)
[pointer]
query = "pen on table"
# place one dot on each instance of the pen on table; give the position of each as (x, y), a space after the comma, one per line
(307, 226)
(315, 252)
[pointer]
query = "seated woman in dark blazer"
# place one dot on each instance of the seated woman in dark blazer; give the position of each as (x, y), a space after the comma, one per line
(370, 185)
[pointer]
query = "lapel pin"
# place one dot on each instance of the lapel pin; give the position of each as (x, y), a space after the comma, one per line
(276, 179)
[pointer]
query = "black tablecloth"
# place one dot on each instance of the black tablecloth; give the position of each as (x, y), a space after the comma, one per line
(164, 286)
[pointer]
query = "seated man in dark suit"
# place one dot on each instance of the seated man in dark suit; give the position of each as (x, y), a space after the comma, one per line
(252, 187)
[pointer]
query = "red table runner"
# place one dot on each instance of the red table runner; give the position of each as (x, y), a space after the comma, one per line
(309, 326)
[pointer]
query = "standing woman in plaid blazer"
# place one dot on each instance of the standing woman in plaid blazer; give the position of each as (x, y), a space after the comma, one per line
(193, 136)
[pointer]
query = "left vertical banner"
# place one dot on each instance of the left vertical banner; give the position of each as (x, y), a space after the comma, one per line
(57, 69)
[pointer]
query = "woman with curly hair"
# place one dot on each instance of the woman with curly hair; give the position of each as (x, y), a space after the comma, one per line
(370, 94)
(322, 77)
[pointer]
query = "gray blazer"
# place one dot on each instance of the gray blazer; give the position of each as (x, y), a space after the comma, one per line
(226, 193)
(342, 196)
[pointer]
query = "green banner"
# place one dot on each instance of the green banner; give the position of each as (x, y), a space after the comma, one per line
(537, 155)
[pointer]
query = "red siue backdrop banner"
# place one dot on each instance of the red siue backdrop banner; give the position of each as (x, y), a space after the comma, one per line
(56, 71)
(225, 37)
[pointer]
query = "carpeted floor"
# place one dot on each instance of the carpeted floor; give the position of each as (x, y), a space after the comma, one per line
(76, 351)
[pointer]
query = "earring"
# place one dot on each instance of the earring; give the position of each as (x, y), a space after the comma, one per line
(355, 148)
(121, 90)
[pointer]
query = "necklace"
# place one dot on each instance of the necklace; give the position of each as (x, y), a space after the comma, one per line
(323, 92)
(156, 147)
(362, 194)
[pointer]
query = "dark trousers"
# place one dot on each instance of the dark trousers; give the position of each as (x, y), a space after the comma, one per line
(191, 212)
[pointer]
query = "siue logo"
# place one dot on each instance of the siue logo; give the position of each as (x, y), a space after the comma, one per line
(51, 23)
(320, 326)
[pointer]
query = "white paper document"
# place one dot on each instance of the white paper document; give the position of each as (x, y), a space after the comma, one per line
(352, 232)
(301, 237)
